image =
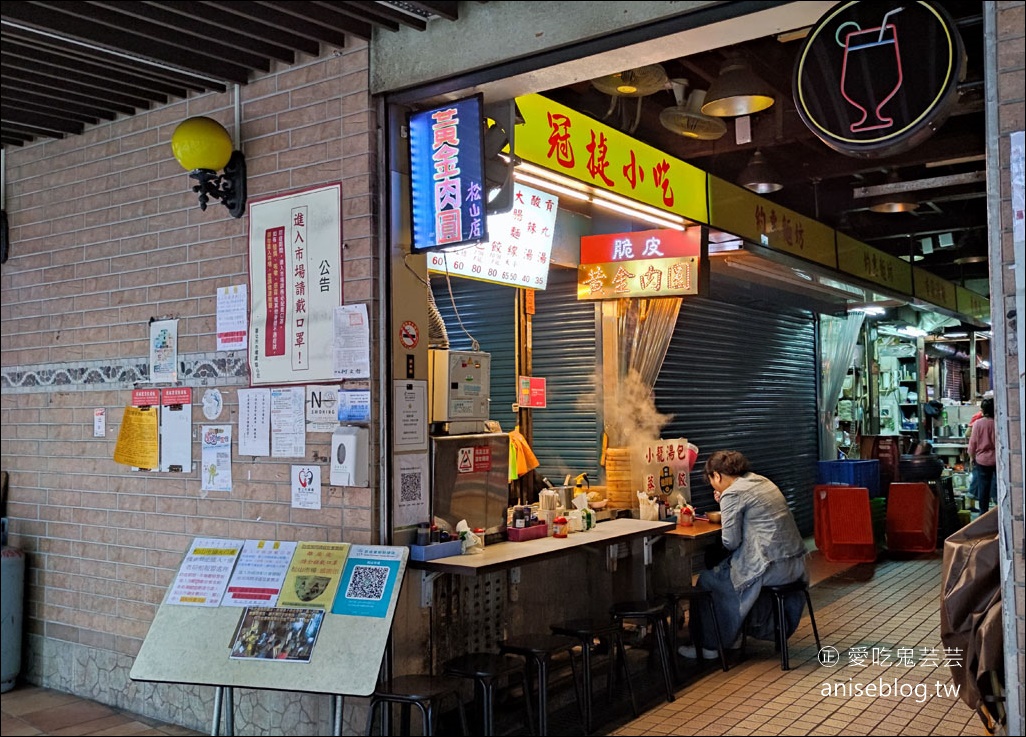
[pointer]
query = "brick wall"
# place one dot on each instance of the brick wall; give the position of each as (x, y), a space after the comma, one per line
(1011, 67)
(106, 234)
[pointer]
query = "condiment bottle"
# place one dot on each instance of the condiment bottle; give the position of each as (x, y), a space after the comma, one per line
(519, 518)
(559, 526)
(686, 518)
(424, 533)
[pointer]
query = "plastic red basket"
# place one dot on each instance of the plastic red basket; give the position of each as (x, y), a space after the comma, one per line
(912, 512)
(843, 523)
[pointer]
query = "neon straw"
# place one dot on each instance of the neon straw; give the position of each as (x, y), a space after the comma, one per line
(883, 23)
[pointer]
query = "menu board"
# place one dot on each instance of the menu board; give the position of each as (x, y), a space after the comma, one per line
(313, 576)
(203, 575)
(259, 573)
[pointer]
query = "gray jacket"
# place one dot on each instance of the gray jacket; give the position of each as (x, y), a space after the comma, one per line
(758, 527)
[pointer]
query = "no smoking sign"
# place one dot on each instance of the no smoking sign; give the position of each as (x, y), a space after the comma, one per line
(409, 335)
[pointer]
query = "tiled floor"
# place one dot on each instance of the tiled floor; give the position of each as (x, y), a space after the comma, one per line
(891, 605)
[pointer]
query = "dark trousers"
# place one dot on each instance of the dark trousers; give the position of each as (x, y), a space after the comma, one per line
(986, 485)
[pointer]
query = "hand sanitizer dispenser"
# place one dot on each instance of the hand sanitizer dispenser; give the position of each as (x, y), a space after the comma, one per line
(349, 463)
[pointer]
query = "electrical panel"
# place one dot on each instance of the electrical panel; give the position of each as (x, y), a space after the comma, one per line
(460, 385)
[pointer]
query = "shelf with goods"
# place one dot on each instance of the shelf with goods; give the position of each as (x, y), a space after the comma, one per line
(851, 411)
(900, 389)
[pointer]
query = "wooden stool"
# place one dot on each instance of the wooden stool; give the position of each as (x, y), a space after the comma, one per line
(655, 615)
(692, 596)
(486, 669)
(420, 691)
(779, 594)
(586, 631)
(538, 649)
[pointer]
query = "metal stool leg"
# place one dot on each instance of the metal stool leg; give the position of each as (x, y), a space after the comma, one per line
(719, 635)
(812, 618)
(661, 644)
(621, 648)
(785, 662)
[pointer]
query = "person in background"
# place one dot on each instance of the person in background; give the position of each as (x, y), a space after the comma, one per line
(982, 452)
(765, 547)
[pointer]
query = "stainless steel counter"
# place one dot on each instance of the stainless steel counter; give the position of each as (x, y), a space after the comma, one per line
(500, 556)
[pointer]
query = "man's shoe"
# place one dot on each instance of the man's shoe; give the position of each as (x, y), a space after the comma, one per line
(689, 651)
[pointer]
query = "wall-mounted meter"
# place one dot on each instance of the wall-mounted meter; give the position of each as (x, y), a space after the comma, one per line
(460, 385)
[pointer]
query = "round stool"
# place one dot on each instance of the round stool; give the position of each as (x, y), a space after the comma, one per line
(420, 691)
(693, 595)
(779, 594)
(655, 615)
(586, 631)
(538, 649)
(486, 669)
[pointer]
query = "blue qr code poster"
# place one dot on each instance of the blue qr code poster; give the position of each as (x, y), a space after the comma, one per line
(368, 582)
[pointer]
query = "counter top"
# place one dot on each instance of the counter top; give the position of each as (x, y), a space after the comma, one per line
(699, 529)
(499, 556)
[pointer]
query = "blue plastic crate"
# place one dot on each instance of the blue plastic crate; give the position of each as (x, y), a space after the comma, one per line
(851, 473)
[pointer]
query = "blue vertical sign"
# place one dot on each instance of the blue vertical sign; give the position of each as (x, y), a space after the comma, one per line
(447, 172)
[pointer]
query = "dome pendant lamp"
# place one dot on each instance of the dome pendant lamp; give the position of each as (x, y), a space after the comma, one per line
(203, 147)
(737, 91)
(759, 176)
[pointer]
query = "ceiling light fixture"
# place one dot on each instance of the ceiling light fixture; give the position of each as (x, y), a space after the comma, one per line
(737, 91)
(759, 176)
(893, 197)
(203, 147)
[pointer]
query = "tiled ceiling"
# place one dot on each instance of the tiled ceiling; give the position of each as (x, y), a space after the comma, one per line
(67, 65)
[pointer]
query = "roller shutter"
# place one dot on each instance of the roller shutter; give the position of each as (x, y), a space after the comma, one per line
(567, 433)
(488, 313)
(743, 378)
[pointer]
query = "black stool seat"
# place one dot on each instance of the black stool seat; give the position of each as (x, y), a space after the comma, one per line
(586, 631)
(486, 669)
(421, 691)
(779, 594)
(538, 649)
(655, 615)
(693, 595)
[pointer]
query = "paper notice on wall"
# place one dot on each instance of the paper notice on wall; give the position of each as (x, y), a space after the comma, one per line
(321, 408)
(411, 419)
(204, 573)
(254, 422)
(352, 342)
(138, 438)
(176, 429)
(216, 454)
(410, 485)
(232, 313)
(354, 405)
(288, 428)
(164, 351)
(306, 487)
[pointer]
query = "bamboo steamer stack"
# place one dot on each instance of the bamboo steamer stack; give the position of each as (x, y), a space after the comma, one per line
(619, 487)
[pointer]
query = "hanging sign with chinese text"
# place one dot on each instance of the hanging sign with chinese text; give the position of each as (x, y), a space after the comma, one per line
(736, 210)
(931, 288)
(447, 174)
(856, 258)
(649, 263)
(876, 79)
(518, 251)
(972, 304)
(571, 143)
(295, 273)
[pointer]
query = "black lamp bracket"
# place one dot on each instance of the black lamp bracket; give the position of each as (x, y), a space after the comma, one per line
(229, 187)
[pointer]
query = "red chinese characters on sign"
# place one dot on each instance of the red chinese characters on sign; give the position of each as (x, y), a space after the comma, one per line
(600, 158)
(275, 278)
(300, 358)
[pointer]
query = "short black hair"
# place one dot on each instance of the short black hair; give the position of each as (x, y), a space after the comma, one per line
(987, 407)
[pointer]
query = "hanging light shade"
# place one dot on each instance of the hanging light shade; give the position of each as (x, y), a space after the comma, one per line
(759, 176)
(737, 91)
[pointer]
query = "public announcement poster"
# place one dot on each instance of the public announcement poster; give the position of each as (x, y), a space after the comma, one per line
(259, 573)
(203, 576)
(314, 574)
(295, 271)
(369, 581)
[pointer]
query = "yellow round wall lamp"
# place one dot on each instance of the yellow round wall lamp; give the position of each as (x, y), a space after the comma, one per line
(203, 147)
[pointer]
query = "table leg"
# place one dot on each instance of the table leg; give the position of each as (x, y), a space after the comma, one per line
(215, 727)
(229, 710)
(337, 705)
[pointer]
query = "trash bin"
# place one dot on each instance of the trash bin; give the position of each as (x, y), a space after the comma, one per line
(11, 608)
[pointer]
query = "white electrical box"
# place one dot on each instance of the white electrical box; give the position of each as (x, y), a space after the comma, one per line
(460, 385)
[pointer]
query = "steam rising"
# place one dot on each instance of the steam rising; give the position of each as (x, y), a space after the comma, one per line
(632, 420)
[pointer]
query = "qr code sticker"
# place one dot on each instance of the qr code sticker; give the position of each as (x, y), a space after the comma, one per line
(368, 582)
(409, 486)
